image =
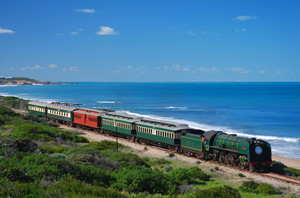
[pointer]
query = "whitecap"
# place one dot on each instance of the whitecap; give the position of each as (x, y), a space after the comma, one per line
(176, 108)
(107, 102)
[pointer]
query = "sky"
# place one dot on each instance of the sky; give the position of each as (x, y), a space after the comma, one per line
(151, 40)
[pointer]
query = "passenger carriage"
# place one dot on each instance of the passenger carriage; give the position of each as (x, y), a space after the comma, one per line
(161, 133)
(37, 108)
(60, 113)
(89, 118)
(120, 124)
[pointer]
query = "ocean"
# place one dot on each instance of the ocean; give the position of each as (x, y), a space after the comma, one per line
(268, 111)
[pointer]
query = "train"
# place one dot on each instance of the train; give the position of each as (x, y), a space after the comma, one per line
(246, 153)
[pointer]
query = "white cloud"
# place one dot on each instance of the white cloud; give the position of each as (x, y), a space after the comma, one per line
(244, 18)
(71, 69)
(105, 30)
(32, 68)
(174, 67)
(76, 32)
(261, 71)
(209, 69)
(180, 68)
(240, 70)
(52, 66)
(192, 33)
(122, 69)
(6, 31)
(241, 30)
(85, 10)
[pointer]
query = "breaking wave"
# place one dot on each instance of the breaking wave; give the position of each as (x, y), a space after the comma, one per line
(108, 102)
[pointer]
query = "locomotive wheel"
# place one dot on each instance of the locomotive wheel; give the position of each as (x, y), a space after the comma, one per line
(187, 153)
(222, 157)
(200, 156)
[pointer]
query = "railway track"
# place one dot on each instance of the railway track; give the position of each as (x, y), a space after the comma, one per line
(271, 175)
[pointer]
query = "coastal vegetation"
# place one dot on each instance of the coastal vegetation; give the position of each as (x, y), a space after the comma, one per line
(38, 159)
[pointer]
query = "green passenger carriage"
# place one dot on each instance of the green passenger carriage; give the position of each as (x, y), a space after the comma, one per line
(61, 113)
(158, 132)
(119, 123)
(37, 108)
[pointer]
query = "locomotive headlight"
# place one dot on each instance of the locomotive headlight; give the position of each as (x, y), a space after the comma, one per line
(258, 150)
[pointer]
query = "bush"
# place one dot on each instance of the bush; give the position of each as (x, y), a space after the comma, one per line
(44, 132)
(52, 149)
(241, 175)
(104, 145)
(171, 154)
(43, 167)
(160, 161)
(278, 167)
(142, 179)
(63, 188)
(127, 159)
(198, 162)
(197, 173)
(168, 168)
(8, 112)
(292, 171)
(249, 186)
(181, 175)
(266, 189)
(220, 192)
(59, 155)
(216, 168)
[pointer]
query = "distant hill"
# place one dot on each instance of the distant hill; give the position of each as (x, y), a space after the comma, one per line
(23, 81)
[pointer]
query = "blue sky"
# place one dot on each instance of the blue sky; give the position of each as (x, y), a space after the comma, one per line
(151, 40)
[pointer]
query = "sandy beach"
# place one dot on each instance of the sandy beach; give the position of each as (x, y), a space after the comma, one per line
(287, 161)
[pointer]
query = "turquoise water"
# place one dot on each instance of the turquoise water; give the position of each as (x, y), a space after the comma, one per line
(270, 111)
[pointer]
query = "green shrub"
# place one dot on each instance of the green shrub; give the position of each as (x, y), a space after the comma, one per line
(266, 189)
(277, 167)
(198, 162)
(59, 155)
(168, 168)
(197, 173)
(142, 179)
(44, 132)
(249, 186)
(43, 167)
(216, 168)
(292, 171)
(8, 112)
(74, 188)
(104, 145)
(160, 161)
(220, 192)
(241, 175)
(63, 188)
(181, 175)
(171, 154)
(127, 159)
(16, 173)
(52, 149)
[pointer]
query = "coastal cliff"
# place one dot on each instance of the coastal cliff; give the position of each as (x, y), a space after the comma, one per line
(24, 81)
